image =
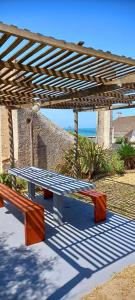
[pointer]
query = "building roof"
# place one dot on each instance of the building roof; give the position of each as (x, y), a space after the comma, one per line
(59, 74)
(123, 125)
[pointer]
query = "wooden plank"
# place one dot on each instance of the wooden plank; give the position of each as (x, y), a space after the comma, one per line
(71, 61)
(13, 30)
(42, 55)
(59, 59)
(91, 63)
(20, 51)
(11, 47)
(31, 53)
(59, 52)
(4, 38)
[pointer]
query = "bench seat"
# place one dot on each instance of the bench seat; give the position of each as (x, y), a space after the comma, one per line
(33, 214)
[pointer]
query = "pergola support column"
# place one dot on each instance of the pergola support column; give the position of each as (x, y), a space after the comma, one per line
(11, 144)
(104, 128)
(75, 143)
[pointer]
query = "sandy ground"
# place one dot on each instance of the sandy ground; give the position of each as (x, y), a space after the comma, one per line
(128, 178)
(120, 287)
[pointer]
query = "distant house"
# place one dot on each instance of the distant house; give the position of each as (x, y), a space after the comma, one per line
(124, 127)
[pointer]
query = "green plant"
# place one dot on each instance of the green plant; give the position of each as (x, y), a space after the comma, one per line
(113, 164)
(126, 150)
(117, 163)
(127, 153)
(21, 184)
(89, 160)
(6, 179)
(92, 160)
(120, 140)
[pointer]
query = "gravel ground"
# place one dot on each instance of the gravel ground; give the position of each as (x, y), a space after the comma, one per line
(120, 191)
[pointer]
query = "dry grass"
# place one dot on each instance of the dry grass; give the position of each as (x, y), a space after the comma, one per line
(120, 287)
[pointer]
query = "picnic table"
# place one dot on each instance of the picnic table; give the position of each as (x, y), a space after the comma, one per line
(60, 185)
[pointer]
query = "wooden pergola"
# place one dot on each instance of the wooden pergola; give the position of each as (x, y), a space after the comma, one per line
(61, 75)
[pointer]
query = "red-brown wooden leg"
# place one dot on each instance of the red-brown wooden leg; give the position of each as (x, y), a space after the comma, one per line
(1, 202)
(47, 194)
(100, 209)
(34, 226)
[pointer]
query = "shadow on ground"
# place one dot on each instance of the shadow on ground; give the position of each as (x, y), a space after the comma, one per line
(87, 248)
(22, 274)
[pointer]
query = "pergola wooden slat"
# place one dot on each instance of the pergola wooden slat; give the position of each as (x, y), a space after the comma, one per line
(61, 75)
(55, 70)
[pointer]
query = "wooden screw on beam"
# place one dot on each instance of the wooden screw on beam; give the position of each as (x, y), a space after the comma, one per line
(75, 143)
(11, 145)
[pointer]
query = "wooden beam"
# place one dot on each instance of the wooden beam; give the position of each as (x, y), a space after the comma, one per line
(89, 91)
(51, 72)
(36, 37)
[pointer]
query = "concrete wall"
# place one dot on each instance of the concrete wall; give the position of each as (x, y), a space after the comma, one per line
(49, 140)
(104, 128)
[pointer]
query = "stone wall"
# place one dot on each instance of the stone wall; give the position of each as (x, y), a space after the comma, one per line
(49, 140)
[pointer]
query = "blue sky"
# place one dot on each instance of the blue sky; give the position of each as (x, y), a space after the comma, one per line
(107, 25)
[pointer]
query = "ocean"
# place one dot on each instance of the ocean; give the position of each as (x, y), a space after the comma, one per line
(84, 131)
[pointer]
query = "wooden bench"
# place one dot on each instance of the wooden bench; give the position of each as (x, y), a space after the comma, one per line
(33, 214)
(99, 200)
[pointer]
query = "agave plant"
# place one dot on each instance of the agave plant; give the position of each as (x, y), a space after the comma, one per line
(91, 158)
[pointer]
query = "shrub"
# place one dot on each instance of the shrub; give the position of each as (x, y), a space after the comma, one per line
(89, 160)
(126, 150)
(66, 167)
(91, 157)
(112, 163)
(127, 153)
(6, 179)
(92, 160)
(120, 140)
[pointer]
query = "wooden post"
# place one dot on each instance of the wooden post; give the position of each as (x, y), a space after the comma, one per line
(75, 143)
(11, 145)
(31, 141)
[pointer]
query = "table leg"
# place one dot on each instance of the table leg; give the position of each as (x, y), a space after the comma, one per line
(31, 190)
(58, 208)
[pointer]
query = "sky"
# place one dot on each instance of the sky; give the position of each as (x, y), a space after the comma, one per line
(101, 24)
